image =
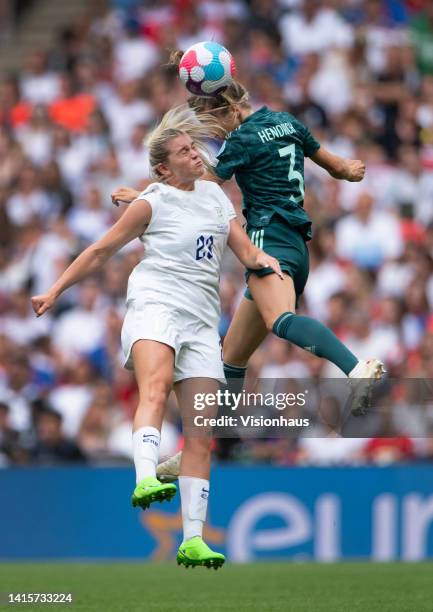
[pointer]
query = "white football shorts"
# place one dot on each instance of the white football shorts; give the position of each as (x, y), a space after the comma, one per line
(197, 346)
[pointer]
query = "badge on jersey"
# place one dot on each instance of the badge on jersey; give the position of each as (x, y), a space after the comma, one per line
(221, 221)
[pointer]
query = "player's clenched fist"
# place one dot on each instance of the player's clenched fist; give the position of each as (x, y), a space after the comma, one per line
(356, 170)
(42, 303)
(124, 194)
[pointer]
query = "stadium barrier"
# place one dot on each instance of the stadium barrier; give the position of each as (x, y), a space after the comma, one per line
(322, 514)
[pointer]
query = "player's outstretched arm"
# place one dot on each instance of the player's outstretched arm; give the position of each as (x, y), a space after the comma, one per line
(345, 169)
(131, 224)
(129, 194)
(251, 256)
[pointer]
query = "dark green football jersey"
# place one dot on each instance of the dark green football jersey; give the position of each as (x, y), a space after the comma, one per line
(266, 155)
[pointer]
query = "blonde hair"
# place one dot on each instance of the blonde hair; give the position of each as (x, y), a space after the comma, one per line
(235, 93)
(176, 122)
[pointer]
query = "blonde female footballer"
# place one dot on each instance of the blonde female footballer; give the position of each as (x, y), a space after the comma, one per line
(170, 332)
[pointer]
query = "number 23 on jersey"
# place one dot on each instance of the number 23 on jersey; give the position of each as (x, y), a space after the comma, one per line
(204, 248)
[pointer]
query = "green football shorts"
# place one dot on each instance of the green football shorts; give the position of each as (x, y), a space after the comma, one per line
(287, 245)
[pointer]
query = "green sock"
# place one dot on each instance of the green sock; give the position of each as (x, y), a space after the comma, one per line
(235, 376)
(313, 336)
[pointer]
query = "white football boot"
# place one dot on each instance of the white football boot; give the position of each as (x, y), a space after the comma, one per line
(169, 470)
(361, 380)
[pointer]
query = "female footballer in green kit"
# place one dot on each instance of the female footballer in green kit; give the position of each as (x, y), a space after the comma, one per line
(265, 152)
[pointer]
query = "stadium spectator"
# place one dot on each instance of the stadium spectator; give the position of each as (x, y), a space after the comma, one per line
(314, 29)
(71, 109)
(19, 324)
(29, 204)
(389, 450)
(14, 111)
(51, 446)
(39, 84)
(360, 235)
(59, 195)
(134, 54)
(124, 110)
(72, 398)
(282, 361)
(134, 158)
(91, 219)
(85, 316)
(17, 390)
(9, 439)
(35, 136)
(393, 446)
(99, 421)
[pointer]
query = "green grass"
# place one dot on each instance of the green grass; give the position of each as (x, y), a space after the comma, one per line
(133, 587)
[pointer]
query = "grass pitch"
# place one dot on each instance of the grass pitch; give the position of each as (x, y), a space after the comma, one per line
(271, 587)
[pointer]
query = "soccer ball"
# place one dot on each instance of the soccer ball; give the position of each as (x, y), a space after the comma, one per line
(207, 68)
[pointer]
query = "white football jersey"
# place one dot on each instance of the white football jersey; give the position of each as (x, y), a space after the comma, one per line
(183, 247)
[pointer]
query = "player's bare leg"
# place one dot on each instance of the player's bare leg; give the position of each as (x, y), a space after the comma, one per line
(275, 299)
(194, 474)
(153, 367)
(272, 296)
(246, 332)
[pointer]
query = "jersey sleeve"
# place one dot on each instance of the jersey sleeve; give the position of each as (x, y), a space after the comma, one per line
(232, 156)
(222, 197)
(231, 213)
(311, 145)
(152, 195)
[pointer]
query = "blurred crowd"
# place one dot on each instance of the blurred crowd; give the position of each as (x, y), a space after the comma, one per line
(358, 73)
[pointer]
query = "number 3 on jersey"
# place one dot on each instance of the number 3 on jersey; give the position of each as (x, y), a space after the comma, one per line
(294, 175)
(204, 247)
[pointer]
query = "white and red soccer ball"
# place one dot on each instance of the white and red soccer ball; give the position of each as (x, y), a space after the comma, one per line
(207, 68)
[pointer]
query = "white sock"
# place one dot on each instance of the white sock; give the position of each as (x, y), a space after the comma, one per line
(145, 443)
(194, 493)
